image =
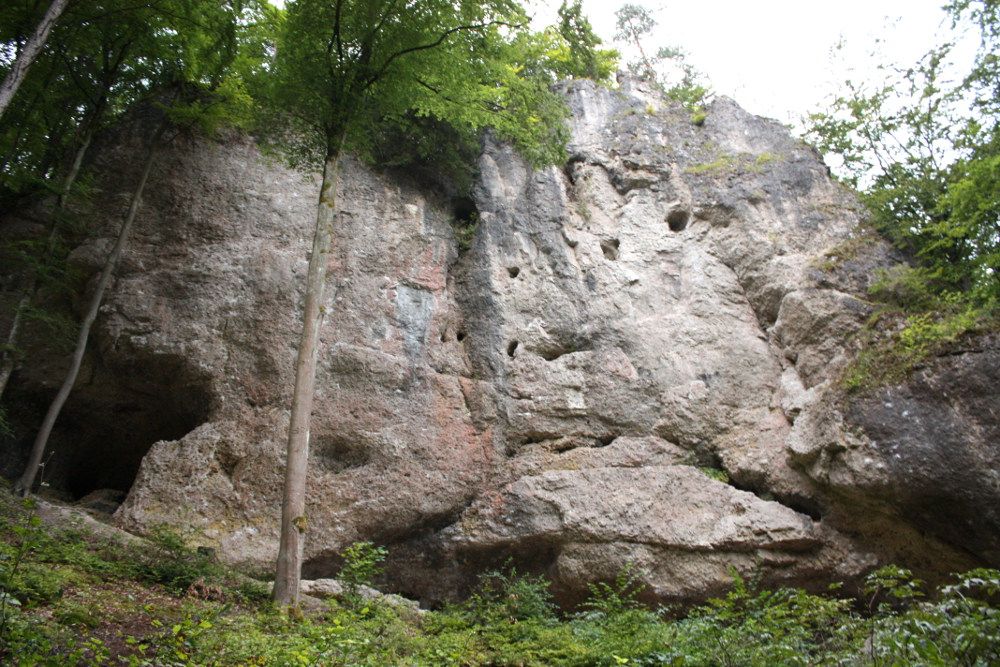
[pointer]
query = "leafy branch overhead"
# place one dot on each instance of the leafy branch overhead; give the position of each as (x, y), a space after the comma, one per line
(349, 70)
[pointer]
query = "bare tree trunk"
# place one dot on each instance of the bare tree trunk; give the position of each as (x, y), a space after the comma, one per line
(28, 54)
(27, 480)
(293, 520)
(7, 355)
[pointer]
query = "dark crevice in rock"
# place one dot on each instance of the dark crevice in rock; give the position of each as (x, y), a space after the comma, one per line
(554, 351)
(228, 461)
(423, 531)
(460, 336)
(532, 438)
(610, 248)
(513, 271)
(569, 169)
(337, 453)
(465, 211)
(801, 504)
(512, 348)
(109, 423)
(678, 219)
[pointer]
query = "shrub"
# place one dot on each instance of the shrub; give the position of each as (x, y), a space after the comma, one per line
(363, 561)
(619, 596)
(166, 560)
(507, 596)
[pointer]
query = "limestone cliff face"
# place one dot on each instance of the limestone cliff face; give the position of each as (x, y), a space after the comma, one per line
(557, 391)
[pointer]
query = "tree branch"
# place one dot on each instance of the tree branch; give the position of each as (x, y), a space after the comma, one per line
(337, 32)
(382, 21)
(430, 45)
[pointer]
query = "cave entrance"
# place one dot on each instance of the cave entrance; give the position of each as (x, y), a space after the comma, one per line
(108, 425)
(111, 444)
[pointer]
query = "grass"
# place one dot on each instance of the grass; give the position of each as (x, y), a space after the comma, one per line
(846, 250)
(915, 321)
(731, 163)
(894, 344)
(75, 599)
(719, 165)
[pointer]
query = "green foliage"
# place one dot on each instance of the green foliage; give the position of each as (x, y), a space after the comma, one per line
(110, 611)
(507, 596)
(961, 627)
(925, 150)
(667, 68)
(750, 626)
(363, 562)
(345, 72)
(719, 165)
(105, 57)
(895, 343)
(75, 614)
(718, 474)
(583, 58)
(23, 533)
(617, 597)
(168, 561)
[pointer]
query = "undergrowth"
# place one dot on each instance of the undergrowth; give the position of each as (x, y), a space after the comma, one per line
(71, 598)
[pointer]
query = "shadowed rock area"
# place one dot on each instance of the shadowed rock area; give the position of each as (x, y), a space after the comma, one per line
(563, 392)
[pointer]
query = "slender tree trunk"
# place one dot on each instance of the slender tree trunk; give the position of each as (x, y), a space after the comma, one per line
(7, 355)
(27, 480)
(28, 54)
(293, 518)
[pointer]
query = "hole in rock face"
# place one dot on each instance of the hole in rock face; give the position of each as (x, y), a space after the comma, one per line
(678, 219)
(465, 211)
(513, 271)
(109, 424)
(610, 248)
(338, 452)
(460, 336)
(563, 345)
(512, 348)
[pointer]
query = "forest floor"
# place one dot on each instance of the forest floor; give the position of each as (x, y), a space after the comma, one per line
(75, 591)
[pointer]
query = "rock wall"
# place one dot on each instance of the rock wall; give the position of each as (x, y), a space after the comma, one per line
(566, 392)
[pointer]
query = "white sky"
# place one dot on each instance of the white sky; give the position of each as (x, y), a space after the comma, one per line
(774, 56)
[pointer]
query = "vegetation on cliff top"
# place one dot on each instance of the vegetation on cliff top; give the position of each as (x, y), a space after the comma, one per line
(923, 147)
(69, 597)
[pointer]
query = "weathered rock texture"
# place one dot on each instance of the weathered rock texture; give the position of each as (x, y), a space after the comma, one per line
(556, 393)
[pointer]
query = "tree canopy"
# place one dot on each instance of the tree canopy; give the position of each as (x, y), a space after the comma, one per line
(349, 69)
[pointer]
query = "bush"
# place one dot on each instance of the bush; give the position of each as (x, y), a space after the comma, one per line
(509, 597)
(617, 597)
(509, 620)
(363, 562)
(166, 560)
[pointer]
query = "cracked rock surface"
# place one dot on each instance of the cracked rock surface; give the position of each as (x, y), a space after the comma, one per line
(563, 392)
